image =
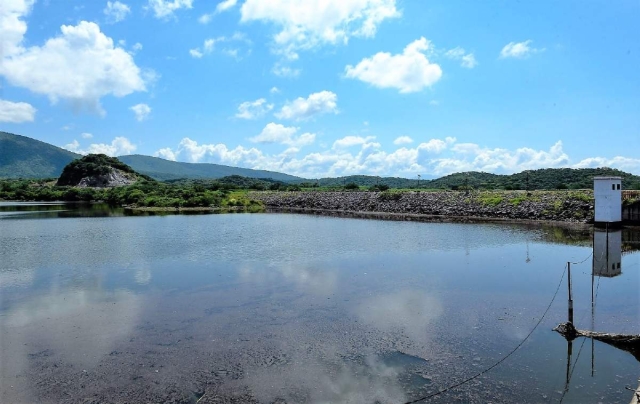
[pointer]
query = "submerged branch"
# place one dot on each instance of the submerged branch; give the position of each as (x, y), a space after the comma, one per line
(625, 342)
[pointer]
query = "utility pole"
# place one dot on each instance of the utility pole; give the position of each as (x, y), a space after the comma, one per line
(570, 292)
(418, 180)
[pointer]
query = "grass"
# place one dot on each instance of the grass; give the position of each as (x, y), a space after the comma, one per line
(491, 200)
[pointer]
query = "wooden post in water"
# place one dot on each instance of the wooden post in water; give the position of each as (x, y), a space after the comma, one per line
(570, 319)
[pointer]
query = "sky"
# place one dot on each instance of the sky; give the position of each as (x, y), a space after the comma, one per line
(319, 88)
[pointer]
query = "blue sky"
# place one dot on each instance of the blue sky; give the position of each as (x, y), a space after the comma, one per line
(329, 87)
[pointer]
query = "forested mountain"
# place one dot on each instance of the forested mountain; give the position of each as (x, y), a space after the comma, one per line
(23, 157)
(161, 169)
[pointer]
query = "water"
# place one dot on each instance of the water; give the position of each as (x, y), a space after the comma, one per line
(97, 306)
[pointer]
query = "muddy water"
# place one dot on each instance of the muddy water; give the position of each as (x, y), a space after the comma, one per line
(274, 308)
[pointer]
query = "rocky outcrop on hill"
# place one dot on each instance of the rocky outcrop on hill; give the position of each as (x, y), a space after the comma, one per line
(114, 178)
(98, 171)
(568, 206)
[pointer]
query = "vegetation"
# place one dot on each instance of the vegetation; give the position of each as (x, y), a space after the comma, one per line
(164, 170)
(142, 194)
(93, 165)
(23, 157)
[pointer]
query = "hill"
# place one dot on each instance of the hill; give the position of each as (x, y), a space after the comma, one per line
(365, 180)
(98, 170)
(546, 178)
(23, 157)
(163, 170)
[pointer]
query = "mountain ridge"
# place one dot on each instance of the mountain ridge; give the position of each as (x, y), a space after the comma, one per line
(24, 157)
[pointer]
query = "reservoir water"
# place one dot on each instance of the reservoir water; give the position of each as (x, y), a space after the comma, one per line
(100, 306)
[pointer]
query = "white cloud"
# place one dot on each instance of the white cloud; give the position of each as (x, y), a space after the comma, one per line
(306, 24)
(86, 135)
(277, 133)
(253, 109)
(73, 146)
(323, 102)
(81, 66)
(363, 155)
(209, 45)
(116, 11)
(205, 18)
(408, 72)
(16, 112)
(350, 141)
(285, 71)
(137, 47)
(622, 163)
(196, 53)
(12, 25)
(141, 111)
(225, 5)
(274, 90)
(166, 8)
(166, 154)
(118, 147)
(467, 60)
(403, 140)
(519, 50)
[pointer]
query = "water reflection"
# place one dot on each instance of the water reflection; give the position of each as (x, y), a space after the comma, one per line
(292, 308)
(608, 251)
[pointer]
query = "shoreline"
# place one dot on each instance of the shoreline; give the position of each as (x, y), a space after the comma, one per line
(425, 218)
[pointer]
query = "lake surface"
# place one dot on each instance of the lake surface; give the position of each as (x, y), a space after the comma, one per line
(97, 306)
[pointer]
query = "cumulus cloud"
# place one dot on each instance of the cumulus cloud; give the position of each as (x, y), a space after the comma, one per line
(285, 71)
(403, 140)
(81, 65)
(467, 60)
(253, 109)
(210, 44)
(364, 155)
(277, 133)
(518, 50)
(12, 26)
(16, 112)
(86, 135)
(306, 24)
(323, 102)
(166, 154)
(164, 9)
(408, 72)
(205, 18)
(141, 111)
(226, 5)
(118, 147)
(349, 141)
(622, 163)
(116, 11)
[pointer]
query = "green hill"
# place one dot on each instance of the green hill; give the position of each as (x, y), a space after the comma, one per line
(546, 178)
(23, 157)
(161, 169)
(98, 170)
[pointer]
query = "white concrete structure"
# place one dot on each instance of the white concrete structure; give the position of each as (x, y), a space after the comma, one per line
(608, 194)
(607, 253)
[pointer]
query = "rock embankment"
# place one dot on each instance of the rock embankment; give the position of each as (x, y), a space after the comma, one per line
(567, 206)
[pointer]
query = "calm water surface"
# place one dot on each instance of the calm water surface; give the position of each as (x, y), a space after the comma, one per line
(97, 307)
